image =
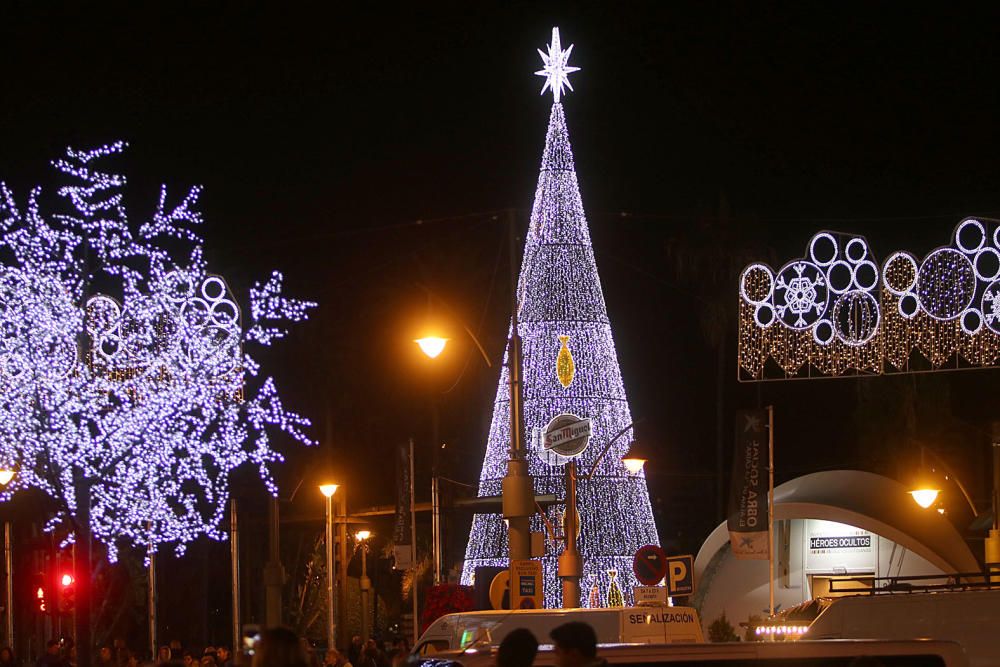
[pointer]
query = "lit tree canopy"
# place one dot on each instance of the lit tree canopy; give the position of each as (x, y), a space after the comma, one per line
(123, 361)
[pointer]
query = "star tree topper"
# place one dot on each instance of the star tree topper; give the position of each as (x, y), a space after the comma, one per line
(556, 70)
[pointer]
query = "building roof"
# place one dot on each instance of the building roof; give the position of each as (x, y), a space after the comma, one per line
(875, 503)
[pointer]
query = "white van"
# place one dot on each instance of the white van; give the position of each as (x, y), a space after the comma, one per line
(829, 653)
(971, 618)
(629, 625)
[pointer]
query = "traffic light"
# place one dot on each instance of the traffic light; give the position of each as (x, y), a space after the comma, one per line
(41, 593)
(67, 592)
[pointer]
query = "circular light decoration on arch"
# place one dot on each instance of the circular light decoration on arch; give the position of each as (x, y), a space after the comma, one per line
(909, 305)
(764, 315)
(823, 249)
(970, 236)
(855, 317)
(757, 284)
(899, 273)
(800, 294)
(946, 284)
(972, 321)
(856, 250)
(840, 276)
(865, 275)
(987, 264)
(991, 306)
(823, 332)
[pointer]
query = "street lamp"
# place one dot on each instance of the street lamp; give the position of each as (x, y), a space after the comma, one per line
(6, 474)
(924, 497)
(432, 346)
(635, 458)
(331, 624)
(366, 583)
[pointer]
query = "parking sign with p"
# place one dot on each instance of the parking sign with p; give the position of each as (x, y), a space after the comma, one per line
(680, 575)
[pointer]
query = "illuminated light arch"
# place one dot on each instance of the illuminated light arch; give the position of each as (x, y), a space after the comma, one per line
(941, 312)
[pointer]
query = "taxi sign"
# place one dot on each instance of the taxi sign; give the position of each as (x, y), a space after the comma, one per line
(526, 584)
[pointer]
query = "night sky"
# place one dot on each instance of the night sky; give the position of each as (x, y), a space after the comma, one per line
(364, 154)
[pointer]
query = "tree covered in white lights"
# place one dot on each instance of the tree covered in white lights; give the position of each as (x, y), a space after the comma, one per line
(129, 391)
(560, 295)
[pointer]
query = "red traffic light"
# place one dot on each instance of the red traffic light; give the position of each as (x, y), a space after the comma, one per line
(66, 580)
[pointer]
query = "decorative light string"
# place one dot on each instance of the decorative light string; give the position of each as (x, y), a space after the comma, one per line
(148, 392)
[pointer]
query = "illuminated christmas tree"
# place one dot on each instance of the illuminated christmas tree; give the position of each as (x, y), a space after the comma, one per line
(560, 295)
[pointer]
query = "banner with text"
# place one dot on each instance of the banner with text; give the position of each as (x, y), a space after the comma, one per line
(747, 521)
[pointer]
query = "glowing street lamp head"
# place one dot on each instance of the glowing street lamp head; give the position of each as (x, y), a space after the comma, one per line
(635, 458)
(363, 535)
(925, 497)
(432, 346)
(328, 489)
(5, 476)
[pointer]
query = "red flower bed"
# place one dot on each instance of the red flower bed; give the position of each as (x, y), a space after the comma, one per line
(445, 599)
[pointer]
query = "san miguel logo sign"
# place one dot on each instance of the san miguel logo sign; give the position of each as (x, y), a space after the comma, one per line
(567, 435)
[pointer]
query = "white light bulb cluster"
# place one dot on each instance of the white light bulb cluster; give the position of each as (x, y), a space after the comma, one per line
(143, 392)
(861, 319)
(560, 295)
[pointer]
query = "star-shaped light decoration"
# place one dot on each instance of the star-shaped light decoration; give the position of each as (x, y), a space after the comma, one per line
(556, 70)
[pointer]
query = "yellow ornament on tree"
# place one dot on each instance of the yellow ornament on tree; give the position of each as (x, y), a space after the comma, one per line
(565, 368)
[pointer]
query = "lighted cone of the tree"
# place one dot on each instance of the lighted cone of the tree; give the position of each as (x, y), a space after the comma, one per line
(560, 295)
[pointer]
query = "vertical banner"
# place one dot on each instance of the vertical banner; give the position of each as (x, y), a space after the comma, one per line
(748, 510)
(401, 527)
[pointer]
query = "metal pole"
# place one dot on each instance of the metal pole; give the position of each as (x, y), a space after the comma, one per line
(331, 607)
(8, 559)
(366, 586)
(413, 541)
(517, 487)
(152, 600)
(570, 567)
(436, 526)
(770, 508)
(274, 573)
(234, 558)
(992, 545)
(82, 571)
(342, 559)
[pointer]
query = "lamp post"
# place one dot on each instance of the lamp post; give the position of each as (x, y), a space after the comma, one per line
(925, 494)
(366, 583)
(6, 475)
(570, 567)
(432, 347)
(331, 624)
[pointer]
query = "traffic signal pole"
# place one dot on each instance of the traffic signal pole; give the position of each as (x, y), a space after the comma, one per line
(517, 487)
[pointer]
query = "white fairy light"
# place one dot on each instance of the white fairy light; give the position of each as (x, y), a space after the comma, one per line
(561, 295)
(557, 69)
(144, 392)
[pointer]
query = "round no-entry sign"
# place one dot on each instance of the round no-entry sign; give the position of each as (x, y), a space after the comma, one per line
(650, 564)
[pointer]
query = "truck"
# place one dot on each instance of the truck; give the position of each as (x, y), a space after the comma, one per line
(969, 617)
